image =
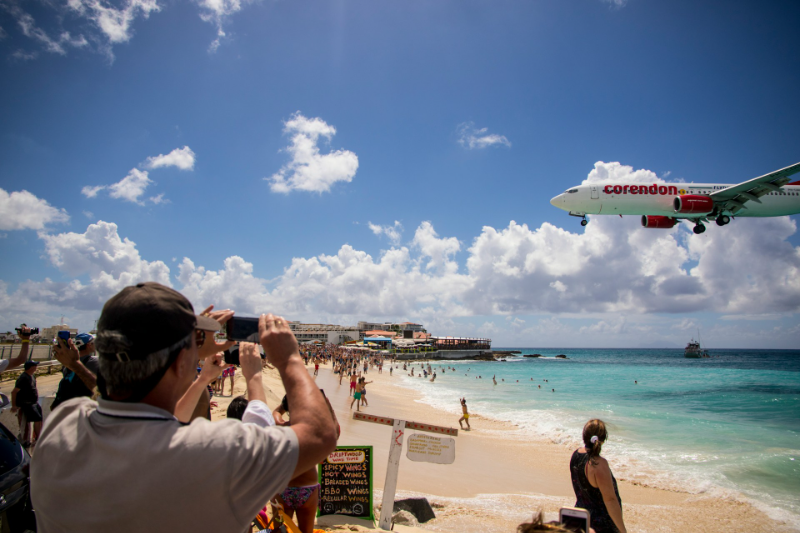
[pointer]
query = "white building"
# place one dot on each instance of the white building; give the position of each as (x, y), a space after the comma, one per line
(327, 333)
(52, 332)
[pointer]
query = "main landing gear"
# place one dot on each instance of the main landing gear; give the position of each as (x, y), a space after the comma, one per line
(699, 228)
(723, 219)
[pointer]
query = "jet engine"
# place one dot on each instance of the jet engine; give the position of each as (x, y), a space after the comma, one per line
(658, 222)
(693, 204)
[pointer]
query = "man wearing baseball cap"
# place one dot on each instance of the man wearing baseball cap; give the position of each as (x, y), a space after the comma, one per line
(80, 368)
(125, 463)
(25, 402)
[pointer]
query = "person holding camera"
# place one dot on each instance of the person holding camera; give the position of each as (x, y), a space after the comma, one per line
(80, 368)
(149, 471)
(24, 333)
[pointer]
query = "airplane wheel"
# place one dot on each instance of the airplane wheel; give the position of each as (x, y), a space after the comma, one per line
(584, 222)
(698, 229)
(723, 219)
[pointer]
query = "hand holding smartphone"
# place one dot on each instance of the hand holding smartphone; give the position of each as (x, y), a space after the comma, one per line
(242, 328)
(575, 519)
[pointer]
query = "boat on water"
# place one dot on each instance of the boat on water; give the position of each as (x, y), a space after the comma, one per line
(694, 351)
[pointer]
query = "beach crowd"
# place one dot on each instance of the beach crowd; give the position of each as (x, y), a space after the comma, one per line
(129, 444)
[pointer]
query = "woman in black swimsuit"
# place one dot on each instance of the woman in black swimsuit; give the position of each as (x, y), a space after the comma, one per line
(594, 484)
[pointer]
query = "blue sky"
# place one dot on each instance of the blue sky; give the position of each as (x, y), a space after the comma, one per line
(341, 161)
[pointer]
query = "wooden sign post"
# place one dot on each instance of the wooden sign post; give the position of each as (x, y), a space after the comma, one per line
(395, 450)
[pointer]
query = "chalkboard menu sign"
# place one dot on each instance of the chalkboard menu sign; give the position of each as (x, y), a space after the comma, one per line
(345, 479)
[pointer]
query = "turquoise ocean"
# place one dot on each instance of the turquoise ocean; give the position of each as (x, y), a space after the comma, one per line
(724, 426)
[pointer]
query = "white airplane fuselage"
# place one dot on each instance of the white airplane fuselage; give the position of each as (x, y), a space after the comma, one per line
(656, 199)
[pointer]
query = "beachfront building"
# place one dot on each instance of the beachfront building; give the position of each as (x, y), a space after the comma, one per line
(326, 333)
(404, 330)
(52, 332)
(461, 343)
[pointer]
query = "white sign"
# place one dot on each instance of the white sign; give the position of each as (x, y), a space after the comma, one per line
(430, 449)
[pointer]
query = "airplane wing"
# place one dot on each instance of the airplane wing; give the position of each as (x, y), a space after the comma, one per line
(733, 198)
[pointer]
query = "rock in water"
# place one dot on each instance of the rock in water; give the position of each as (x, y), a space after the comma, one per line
(419, 507)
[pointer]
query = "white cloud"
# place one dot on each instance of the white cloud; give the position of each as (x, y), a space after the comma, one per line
(88, 214)
(91, 191)
(439, 251)
(108, 261)
(394, 233)
(23, 210)
(475, 138)
(309, 170)
(618, 172)
(182, 158)
(131, 187)
(22, 55)
(29, 29)
(614, 283)
(111, 25)
(217, 12)
(115, 24)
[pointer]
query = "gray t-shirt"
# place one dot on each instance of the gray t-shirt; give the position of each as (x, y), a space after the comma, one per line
(112, 466)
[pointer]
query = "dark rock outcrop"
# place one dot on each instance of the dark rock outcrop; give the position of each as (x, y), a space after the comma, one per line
(419, 507)
(532, 355)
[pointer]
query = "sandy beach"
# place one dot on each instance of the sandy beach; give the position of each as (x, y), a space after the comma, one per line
(500, 477)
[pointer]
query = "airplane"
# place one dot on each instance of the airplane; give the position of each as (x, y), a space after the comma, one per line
(662, 205)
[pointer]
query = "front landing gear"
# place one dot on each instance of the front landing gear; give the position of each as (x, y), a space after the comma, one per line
(584, 221)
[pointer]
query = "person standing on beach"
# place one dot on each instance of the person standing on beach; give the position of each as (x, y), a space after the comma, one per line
(594, 485)
(25, 402)
(353, 380)
(202, 477)
(465, 414)
(364, 384)
(357, 396)
(301, 497)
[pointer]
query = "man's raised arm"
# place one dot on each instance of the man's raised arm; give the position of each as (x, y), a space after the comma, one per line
(311, 418)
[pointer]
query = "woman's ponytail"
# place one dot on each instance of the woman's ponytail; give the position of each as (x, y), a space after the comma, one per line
(594, 435)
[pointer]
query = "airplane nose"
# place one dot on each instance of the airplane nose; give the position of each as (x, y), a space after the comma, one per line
(557, 200)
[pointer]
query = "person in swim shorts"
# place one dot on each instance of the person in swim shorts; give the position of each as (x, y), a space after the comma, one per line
(353, 380)
(465, 415)
(357, 395)
(230, 371)
(301, 496)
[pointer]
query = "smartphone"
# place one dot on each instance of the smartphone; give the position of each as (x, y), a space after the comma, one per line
(231, 357)
(575, 519)
(64, 336)
(242, 328)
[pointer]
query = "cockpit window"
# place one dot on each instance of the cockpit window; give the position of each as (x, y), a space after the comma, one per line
(572, 190)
